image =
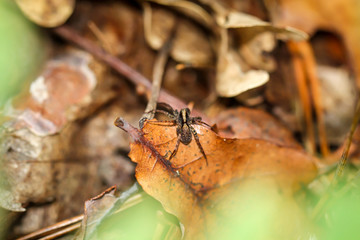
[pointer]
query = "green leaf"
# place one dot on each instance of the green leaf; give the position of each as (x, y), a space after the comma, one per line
(22, 50)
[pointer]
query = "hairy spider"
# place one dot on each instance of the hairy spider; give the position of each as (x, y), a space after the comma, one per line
(184, 128)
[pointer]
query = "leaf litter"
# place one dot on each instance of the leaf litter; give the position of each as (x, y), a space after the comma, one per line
(258, 173)
(194, 191)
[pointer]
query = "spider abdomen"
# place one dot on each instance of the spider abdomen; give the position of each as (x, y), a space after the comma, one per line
(185, 134)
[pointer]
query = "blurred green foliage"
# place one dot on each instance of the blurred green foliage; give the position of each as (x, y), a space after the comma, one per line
(260, 214)
(138, 222)
(22, 50)
(345, 223)
(341, 218)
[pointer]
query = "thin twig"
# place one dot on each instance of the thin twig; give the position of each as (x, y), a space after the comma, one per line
(345, 154)
(135, 77)
(126, 200)
(118, 65)
(101, 37)
(300, 78)
(305, 69)
(62, 232)
(159, 68)
(310, 68)
(340, 168)
(55, 227)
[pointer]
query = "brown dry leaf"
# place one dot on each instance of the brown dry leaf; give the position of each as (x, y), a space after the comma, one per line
(234, 76)
(193, 10)
(73, 95)
(56, 97)
(190, 44)
(341, 20)
(113, 216)
(37, 137)
(252, 26)
(231, 78)
(251, 123)
(47, 13)
(8, 202)
(95, 210)
(340, 17)
(204, 197)
(158, 24)
(253, 51)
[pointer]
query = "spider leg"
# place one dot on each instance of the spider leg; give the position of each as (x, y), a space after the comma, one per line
(166, 107)
(153, 164)
(197, 121)
(146, 116)
(159, 144)
(176, 148)
(185, 164)
(197, 140)
(169, 115)
(165, 123)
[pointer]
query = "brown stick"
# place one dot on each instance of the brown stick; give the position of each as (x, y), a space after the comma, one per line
(306, 70)
(71, 223)
(345, 154)
(319, 208)
(310, 68)
(304, 96)
(62, 232)
(158, 72)
(135, 77)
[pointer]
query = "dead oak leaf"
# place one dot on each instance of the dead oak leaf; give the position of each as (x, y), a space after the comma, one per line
(253, 26)
(337, 16)
(194, 191)
(47, 13)
(190, 43)
(253, 123)
(231, 79)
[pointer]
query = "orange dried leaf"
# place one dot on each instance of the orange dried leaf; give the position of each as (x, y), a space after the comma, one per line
(252, 123)
(340, 17)
(197, 193)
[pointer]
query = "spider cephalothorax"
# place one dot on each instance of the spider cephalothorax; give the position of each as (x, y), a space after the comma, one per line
(184, 129)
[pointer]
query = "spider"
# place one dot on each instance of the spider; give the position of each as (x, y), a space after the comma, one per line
(184, 128)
